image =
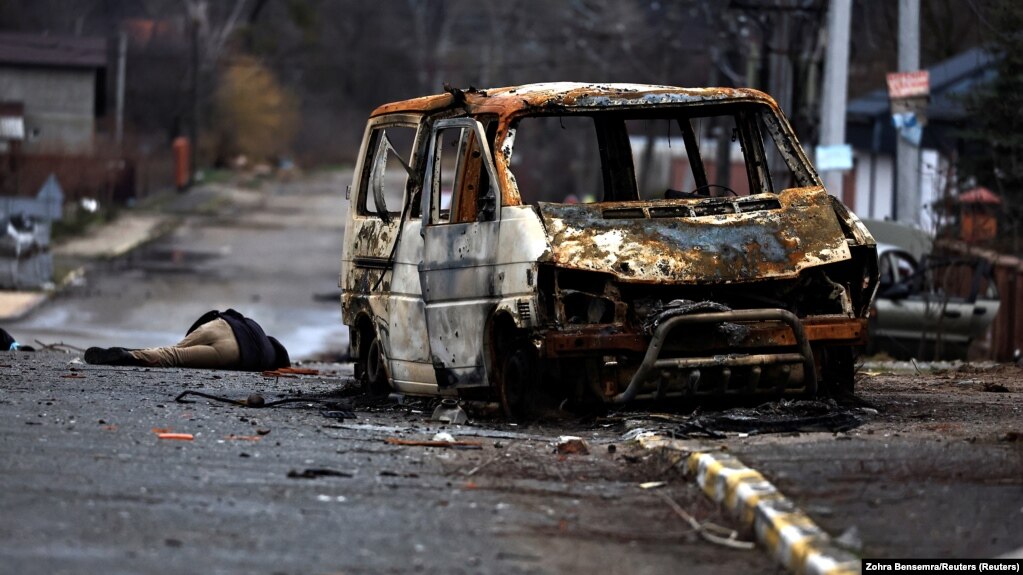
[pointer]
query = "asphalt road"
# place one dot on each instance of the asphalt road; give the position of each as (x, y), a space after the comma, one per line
(274, 254)
(87, 486)
(934, 467)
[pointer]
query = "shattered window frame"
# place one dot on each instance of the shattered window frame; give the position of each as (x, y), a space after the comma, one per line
(767, 143)
(378, 154)
(472, 132)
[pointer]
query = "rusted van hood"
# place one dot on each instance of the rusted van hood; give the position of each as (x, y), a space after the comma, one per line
(678, 241)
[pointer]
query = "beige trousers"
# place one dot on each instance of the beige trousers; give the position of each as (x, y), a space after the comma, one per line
(211, 346)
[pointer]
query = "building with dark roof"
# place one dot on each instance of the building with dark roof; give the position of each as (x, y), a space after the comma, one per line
(58, 83)
(869, 130)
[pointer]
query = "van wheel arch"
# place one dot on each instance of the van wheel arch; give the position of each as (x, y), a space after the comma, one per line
(513, 366)
(370, 362)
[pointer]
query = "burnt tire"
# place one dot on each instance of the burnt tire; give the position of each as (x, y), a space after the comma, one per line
(374, 376)
(516, 386)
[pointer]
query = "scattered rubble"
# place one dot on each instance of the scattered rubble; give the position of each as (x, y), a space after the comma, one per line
(449, 412)
(457, 444)
(315, 472)
(572, 445)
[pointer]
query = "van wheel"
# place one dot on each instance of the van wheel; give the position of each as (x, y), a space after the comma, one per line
(375, 375)
(516, 385)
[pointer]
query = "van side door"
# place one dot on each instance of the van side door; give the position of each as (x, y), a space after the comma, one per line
(461, 220)
(381, 253)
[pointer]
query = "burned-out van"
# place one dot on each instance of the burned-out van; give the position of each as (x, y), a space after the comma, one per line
(612, 242)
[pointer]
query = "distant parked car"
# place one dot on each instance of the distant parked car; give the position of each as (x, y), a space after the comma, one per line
(930, 309)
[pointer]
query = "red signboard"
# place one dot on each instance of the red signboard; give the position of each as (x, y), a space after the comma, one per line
(909, 84)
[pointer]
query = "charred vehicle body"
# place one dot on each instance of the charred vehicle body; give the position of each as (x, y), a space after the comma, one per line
(513, 242)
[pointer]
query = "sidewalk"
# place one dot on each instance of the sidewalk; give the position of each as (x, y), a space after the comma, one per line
(131, 229)
(16, 304)
(114, 239)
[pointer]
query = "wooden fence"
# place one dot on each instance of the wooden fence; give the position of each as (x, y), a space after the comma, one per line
(1007, 329)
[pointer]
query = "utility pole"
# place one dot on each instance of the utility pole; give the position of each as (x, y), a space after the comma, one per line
(907, 186)
(122, 55)
(780, 64)
(723, 156)
(193, 129)
(833, 101)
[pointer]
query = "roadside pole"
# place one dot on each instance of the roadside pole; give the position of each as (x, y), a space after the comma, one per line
(907, 186)
(193, 131)
(833, 155)
(122, 55)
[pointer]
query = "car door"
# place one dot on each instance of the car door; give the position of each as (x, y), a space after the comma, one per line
(460, 248)
(383, 248)
(900, 311)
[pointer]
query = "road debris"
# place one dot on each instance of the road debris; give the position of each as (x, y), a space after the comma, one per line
(572, 445)
(60, 346)
(652, 484)
(176, 436)
(387, 473)
(449, 412)
(290, 372)
(278, 374)
(315, 472)
(339, 415)
(710, 532)
(336, 409)
(474, 470)
(443, 436)
(850, 540)
(775, 417)
(298, 370)
(457, 444)
(1011, 437)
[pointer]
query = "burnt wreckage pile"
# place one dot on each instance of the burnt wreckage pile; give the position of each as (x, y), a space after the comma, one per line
(519, 243)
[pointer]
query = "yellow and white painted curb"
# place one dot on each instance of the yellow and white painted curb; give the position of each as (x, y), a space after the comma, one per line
(787, 533)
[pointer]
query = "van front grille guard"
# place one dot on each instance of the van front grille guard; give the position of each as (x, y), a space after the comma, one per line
(652, 362)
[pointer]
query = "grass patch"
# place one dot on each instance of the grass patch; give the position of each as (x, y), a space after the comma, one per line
(76, 224)
(216, 176)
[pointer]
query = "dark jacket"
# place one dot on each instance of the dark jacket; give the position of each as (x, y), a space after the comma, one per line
(258, 351)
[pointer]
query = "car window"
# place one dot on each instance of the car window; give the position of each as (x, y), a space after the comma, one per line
(672, 167)
(557, 159)
(460, 177)
(387, 170)
(689, 152)
(895, 267)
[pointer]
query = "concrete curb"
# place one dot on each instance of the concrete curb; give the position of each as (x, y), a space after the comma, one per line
(116, 238)
(788, 534)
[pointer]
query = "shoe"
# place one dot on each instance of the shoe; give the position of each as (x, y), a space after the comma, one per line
(109, 356)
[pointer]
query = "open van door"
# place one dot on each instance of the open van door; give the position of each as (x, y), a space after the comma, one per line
(461, 221)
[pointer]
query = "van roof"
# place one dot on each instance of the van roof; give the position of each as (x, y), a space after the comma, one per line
(508, 100)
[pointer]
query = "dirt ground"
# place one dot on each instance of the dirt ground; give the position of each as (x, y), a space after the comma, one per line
(975, 403)
(936, 472)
